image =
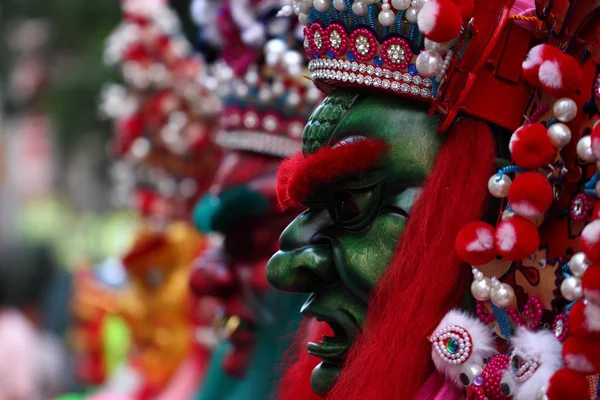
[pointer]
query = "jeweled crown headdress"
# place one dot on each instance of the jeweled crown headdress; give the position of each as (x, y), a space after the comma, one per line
(459, 56)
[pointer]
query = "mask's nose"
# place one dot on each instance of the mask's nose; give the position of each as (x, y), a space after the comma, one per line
(217, 213)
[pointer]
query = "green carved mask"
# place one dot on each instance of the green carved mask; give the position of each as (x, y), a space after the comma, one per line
(341, 246)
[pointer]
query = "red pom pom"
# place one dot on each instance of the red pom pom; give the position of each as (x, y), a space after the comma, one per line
(530, 194)
(536, 56)
(566, 384)
(581, 355)
(516, 238)
(440, 20)
(595, 135)
(530, 147)
(560, 75)
(590, 241)
(475, 243)
(466, 7)
(590, 283)
(584, 321)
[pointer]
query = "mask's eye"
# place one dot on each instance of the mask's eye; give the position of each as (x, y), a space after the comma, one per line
(354, 209)
(346, 205)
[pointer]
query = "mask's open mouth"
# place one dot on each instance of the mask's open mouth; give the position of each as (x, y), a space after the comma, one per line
(345, 328)
(331, 348)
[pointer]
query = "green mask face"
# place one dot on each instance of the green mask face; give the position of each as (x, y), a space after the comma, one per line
(341, 246)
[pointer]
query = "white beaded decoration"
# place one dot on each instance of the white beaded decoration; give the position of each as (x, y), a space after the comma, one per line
(359, 8)
(339, 5)
(322, 5)
(526, 366)
(411, 14)
(429, 63)
(502, 295)
(571, 288)
(565, 109)
(560, 135)
(386, 16)
(584, 149)
(453, 344)
(498, 187)
(401, 5)
(481, 286)
(578, 264)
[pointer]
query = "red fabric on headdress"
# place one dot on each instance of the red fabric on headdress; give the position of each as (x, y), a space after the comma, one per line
(300, 174)
(392, 357)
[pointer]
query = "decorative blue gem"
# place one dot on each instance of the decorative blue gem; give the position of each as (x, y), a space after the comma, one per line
(330, 54)
(316, 55)
(351, 56)
(412, 69)
(378, 61)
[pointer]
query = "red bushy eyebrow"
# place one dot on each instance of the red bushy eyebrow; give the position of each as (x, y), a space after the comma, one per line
(299, 175)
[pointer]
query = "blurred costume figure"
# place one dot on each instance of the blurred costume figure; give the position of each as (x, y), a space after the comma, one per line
(266, 102)
(157, 304)
(164, 122)
(451, 242)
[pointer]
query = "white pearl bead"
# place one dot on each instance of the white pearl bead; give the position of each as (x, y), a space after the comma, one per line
(480, 289)
(419, 4)
(560, 135)
(429, 63)
(339, 5)
(499, 187)
(386, 18)
(303, 19)
(359, 8)
(502, 295)
(584, 149)
(441, 48)
(401, 4)
(564, 109)
(571, 288)
(578, 264)
(322, 5)
(411, 15)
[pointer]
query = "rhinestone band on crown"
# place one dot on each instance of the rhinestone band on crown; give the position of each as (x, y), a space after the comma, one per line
(369, 75)
(359, 58)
